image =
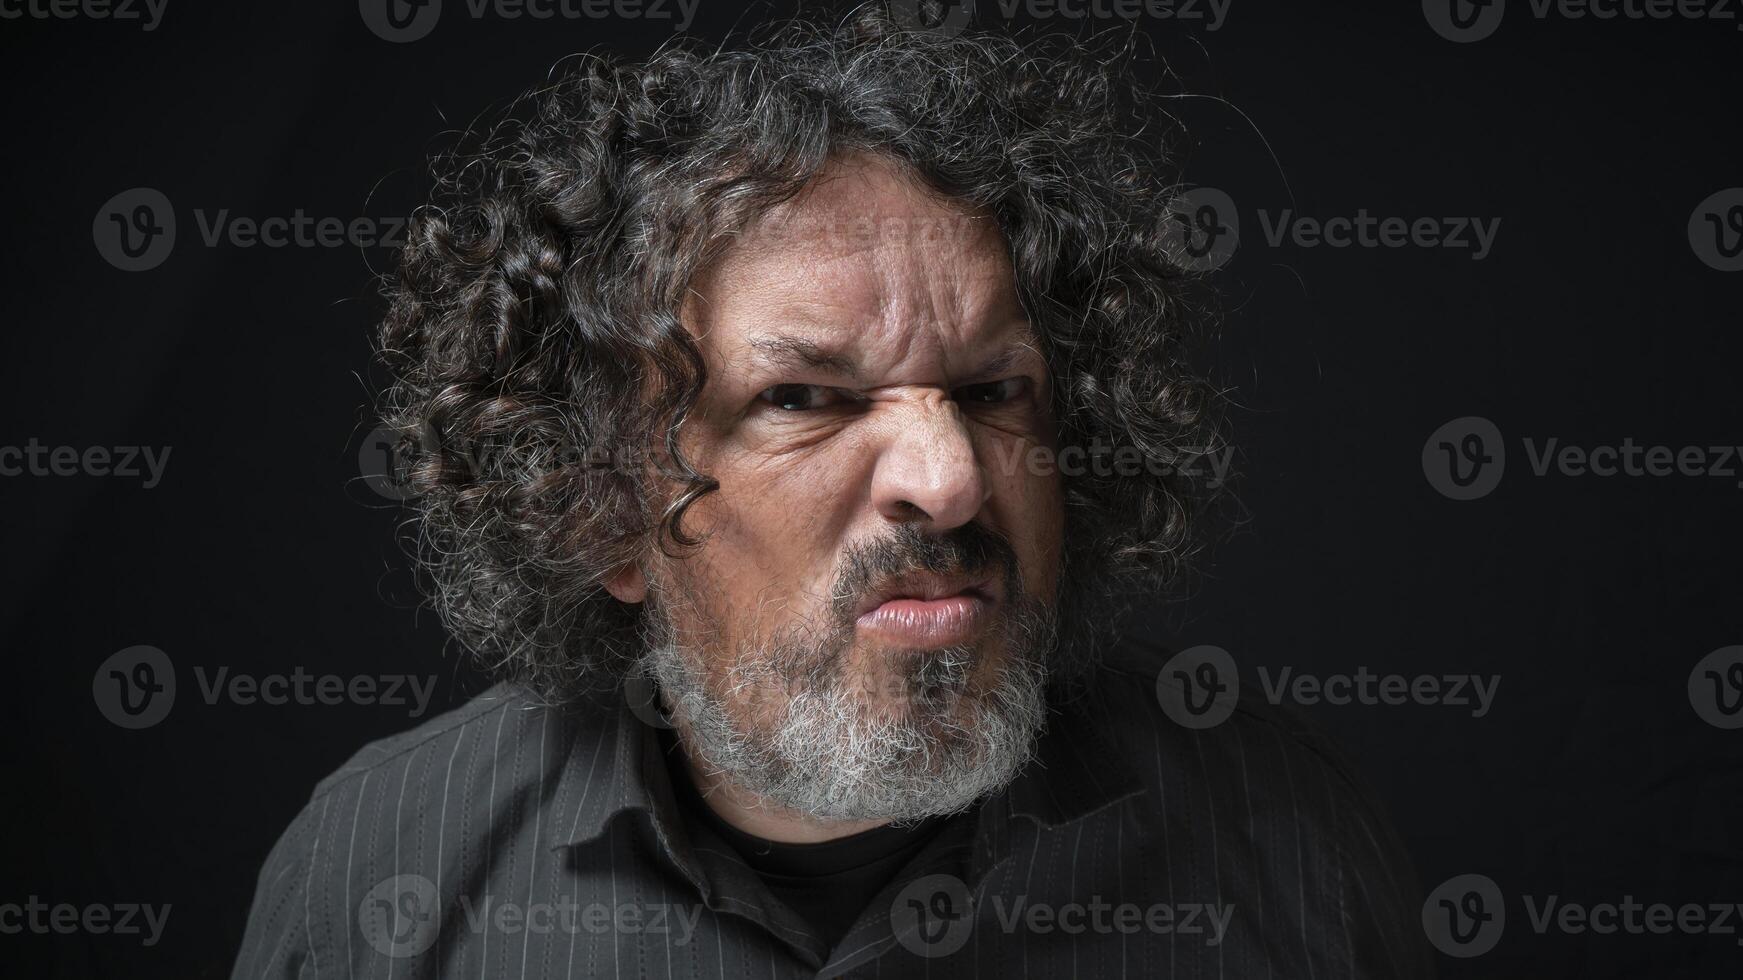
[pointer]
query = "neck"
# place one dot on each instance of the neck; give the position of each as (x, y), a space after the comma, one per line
(757, 816)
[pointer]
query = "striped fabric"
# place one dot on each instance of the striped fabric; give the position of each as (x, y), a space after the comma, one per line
(505, 839)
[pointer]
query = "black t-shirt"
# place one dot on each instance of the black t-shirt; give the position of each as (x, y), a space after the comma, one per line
(829, 883)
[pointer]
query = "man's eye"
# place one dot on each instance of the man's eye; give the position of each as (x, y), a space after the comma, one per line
(800, 398)
(993, 392)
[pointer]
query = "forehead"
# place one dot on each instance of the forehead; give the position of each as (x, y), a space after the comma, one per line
(866, 259)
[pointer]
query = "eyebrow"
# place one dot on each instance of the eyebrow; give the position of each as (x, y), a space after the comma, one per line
(796, 352)
(1003, 361)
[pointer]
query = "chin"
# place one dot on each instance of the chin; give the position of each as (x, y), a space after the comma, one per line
(907, 684)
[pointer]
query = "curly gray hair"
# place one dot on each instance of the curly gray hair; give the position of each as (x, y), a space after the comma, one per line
(534, 317)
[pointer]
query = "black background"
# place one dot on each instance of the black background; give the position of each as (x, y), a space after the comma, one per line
(1592, 320)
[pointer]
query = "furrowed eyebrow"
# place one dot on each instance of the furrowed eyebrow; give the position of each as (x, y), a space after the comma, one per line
(1010, 357)
(797, 352)
(1000, 363)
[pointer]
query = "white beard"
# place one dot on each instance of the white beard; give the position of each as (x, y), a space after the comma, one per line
(835, 753)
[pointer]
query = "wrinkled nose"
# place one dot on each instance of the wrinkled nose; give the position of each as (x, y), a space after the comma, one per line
(928, 473)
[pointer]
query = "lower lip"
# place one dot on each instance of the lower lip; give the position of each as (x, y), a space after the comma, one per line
(927, 623)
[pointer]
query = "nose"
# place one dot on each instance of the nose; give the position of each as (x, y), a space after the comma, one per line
(928, 472)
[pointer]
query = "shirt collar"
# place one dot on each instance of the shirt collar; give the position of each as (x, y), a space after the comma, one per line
(606, 770)
(1077, 770)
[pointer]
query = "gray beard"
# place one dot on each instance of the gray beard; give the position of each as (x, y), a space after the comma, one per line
(928, 747)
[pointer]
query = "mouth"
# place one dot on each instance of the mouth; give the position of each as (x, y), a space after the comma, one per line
(926, 611)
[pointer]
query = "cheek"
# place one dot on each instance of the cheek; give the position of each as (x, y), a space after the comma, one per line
(1028, 503)
(775, 526)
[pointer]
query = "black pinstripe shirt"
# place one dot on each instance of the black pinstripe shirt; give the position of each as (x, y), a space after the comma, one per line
(509, 840)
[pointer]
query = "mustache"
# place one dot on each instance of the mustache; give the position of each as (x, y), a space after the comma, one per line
(967, 550)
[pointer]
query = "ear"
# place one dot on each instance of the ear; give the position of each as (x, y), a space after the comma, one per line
(627, 584)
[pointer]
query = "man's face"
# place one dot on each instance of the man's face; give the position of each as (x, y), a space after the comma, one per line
(871, 610)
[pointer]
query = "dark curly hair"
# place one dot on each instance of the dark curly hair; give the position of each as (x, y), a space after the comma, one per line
(534, 317)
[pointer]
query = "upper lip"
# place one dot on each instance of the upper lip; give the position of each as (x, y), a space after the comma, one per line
(927, 585)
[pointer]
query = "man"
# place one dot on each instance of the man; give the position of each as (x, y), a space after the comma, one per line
(829, 390)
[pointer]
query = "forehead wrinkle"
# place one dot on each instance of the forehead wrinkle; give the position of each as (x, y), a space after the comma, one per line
(896, 306)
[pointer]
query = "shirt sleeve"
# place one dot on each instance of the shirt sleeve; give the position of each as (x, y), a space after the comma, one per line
(278, 942)
(1381, 901)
